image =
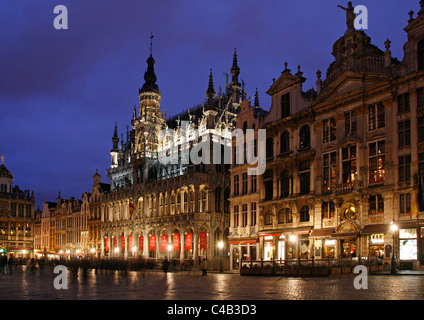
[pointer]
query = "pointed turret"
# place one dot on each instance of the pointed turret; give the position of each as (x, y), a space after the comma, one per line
(115, 138)
(256, 99)
(210, 93)
(235, 84)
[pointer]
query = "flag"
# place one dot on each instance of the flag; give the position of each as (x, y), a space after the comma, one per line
(132, 208)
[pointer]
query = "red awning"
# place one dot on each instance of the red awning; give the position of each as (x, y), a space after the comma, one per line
(321, 233)
(242, 242)
(270, 235)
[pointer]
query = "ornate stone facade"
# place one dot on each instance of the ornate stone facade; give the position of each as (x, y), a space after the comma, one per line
(344, 160)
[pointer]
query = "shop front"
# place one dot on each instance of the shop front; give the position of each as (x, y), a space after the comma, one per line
(324, 247)
(243, 251)
(285, 244)
(409, 245)
(345, 244)
(376, 237)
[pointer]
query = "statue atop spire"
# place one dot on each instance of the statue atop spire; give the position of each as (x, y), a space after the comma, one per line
(350, 16)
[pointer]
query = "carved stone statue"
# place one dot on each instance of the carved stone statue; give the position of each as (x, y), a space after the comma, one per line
(350, 15)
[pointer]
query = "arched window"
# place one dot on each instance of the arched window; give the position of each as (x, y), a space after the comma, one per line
(268, 218)
(304, 214)
(269, 147)
(244, 127)
(305, 137)
(285, 142)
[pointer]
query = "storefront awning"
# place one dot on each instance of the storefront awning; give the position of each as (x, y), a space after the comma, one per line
(375, 228)
(242, 241)
(321, 233)
(345, 235)
(279, 232)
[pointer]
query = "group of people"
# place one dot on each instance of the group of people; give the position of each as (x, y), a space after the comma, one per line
(6, 262)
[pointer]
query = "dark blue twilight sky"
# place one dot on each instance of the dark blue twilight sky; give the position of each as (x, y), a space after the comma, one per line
(61, 91)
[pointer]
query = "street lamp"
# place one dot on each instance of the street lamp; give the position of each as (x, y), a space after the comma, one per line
(220, 246)
(169, 251)
(394, 228)
(293, 240)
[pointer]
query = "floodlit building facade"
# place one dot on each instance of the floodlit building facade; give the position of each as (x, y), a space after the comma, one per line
(162, 203)
(344, 160)
(17, 217)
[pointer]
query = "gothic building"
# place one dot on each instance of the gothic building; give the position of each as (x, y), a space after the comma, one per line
(344, 160)
(163, 202)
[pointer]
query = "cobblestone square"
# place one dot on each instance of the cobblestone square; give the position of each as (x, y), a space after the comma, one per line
(191, 285)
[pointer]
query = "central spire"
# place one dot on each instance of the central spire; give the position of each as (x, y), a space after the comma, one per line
(150, 76)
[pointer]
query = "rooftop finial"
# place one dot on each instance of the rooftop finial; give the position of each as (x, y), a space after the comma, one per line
(256, 98)
(151, 43)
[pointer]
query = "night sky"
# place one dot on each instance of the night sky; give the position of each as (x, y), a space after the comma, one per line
(61, 91)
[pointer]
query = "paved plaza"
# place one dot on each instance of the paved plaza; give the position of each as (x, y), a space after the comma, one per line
(190, 285)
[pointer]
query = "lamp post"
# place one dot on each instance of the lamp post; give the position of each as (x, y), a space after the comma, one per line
(220, 246)
(394, 228)
(169, 251)
(293, 240)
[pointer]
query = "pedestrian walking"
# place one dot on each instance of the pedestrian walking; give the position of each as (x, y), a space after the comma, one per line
(10, 263)
(3, 263)
(165, 265)
(204, 267)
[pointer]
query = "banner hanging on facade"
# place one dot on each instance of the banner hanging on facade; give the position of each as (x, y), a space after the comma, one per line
(163, 242)
(107, 244)
(176, 242)
(203, 240)
(130, 243)
(123, 243)
(115, 243)
(188, 242)
(152, 243)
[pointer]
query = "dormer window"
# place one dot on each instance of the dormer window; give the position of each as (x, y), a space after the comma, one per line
(285, 105)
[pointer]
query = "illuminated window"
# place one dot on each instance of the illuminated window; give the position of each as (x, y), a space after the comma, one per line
(329, 171)
(377, 152)
(328, 210)
(329, 130)
(349, 164)
(376, 204)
